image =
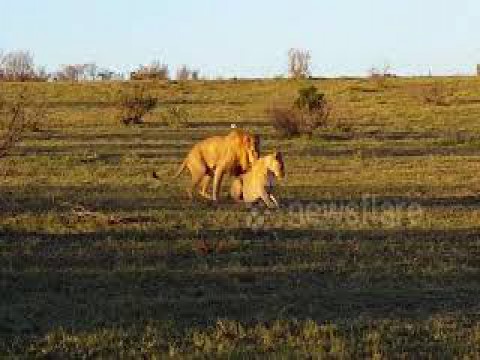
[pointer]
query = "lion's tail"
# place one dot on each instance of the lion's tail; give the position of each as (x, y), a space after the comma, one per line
(180, 169)
(177, 174)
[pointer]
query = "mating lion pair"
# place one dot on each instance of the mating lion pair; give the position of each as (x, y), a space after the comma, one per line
(237, 155)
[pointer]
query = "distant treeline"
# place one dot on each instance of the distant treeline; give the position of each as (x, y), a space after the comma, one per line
(20, 66)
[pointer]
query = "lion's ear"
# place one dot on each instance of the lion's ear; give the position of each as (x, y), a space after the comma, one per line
(278, 156)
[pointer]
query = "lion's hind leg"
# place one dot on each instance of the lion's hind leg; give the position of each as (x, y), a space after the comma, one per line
(236, 191)
(205, 182)
(198, 172)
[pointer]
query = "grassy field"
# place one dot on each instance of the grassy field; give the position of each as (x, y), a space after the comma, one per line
(375, 253)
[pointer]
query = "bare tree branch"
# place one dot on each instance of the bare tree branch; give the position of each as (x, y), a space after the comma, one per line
(298, 63)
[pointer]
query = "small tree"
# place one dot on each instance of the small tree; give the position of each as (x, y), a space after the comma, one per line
(91, 70)
(17, 66)
(299, 63)
(19, 114)
(184, 73)
(42, 74)
(134, 104)
(105, 74)
(74, 72)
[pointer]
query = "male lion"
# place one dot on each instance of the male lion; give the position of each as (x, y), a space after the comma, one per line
(216, 156)
(258, 182)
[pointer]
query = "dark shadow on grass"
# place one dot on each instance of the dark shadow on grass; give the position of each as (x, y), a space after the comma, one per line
(140, 134)
(105, 150)
(84, 302)
(382, 135)
(387, 152)
(71, 281)
(113, 105)
(163, 195)
(372, 202)
(310, 261)
(41, 199)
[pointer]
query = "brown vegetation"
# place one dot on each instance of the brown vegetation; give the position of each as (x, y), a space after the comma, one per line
(155, 71)
(18, 115)
(134, 104)
(309, 112)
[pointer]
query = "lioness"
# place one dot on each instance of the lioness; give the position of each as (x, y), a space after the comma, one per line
(258, 182)
(216, 156)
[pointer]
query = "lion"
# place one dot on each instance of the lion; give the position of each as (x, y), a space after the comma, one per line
(212, 158)
(258, 182)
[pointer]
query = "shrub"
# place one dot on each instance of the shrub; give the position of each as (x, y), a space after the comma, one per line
(134, 104)
(285, 120)
(309, 111)
(310, 99)
(17, 115)
(155, 71)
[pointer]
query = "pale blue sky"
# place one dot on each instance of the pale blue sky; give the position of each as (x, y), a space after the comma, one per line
(248, 37)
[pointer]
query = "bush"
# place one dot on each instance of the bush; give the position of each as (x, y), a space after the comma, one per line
(134, 104)
(309, 111)
(310, 99)
(155, 71)
(19, 114)
(285, 120)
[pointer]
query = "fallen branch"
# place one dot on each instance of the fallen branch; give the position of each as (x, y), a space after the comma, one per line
(81, 213)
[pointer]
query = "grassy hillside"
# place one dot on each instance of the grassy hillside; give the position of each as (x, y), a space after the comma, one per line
(376, 251)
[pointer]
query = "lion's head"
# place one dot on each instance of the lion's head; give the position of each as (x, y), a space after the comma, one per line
(247, 148)
(276, 165)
